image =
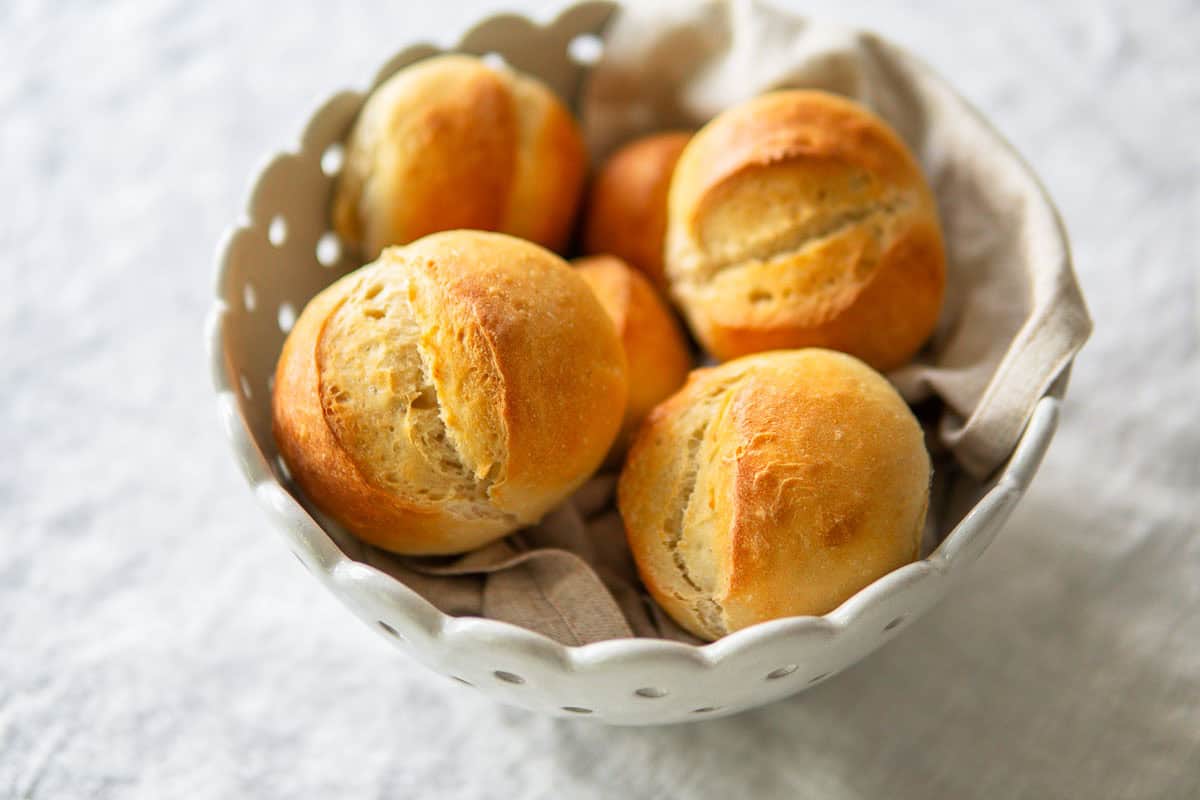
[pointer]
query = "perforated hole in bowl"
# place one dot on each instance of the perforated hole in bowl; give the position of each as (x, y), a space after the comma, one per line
(463, 681)
(577, 709)
(508, 677)
(818, 678)
(585, 49)
(332, 158)
(704, 710)
(782, 672)
(494, 60)
(287, 317)
(389, 630)
(249, 297)
(329, 249)
(651, 692)
(277, 231)
(891, 626)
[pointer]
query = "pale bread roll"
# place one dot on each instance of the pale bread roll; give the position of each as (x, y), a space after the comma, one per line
(656, 351)
(450, 393)
(774, 485)
(627, 204)
(450, 142)
(800, 219)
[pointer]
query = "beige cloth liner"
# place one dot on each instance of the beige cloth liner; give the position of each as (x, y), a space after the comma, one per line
(1013, 317)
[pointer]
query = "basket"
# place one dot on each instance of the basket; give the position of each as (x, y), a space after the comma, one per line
(282, 252)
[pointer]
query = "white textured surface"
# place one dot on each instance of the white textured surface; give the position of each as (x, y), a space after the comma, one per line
(157, 641)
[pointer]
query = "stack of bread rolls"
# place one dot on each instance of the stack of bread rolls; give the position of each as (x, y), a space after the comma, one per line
(469, 379)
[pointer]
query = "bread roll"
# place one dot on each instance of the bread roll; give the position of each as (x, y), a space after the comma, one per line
(627, 205)
(800, 219)
(450, 393)
(450, 142)
(774, 485)
(656, 351)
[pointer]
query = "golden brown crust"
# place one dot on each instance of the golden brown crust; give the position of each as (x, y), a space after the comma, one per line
(551, 168)
(800, 219)
(451, 143)
(774, 485)
(656, 350)
(449, 393)
(627, 206)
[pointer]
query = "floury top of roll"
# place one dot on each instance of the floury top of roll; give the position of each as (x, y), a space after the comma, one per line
(800, 219)
(773, 485)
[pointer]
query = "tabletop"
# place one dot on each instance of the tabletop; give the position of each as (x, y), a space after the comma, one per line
(157, 640)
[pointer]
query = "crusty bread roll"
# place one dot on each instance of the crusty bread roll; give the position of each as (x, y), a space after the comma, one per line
(774, 485)
(450, 393)
(627, 206)
(449, 143)
(800, 219)
(656, 351)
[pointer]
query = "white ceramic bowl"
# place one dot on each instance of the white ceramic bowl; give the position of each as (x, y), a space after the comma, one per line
(282, 253)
